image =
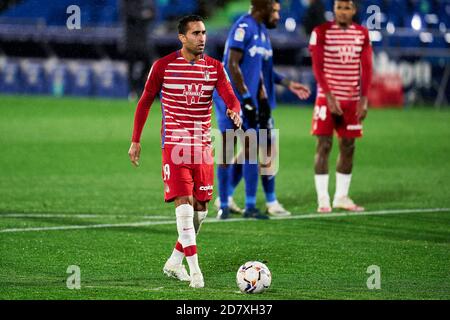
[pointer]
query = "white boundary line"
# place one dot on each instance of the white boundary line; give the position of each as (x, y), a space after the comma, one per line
(213, 220)
(78, 216)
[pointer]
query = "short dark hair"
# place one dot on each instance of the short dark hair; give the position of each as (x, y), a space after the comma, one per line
(182, 24)
(353, 1)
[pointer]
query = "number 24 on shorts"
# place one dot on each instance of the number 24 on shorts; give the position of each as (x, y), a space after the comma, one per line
(320, 112)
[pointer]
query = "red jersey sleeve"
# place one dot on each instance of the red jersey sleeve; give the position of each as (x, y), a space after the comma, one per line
(316, 47)
(225, 90)
(152, 88)
(366, 65)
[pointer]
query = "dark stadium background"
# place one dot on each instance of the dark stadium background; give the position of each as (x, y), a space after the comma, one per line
(411, 39)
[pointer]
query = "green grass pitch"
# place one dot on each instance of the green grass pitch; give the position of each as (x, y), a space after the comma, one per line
(64, 163)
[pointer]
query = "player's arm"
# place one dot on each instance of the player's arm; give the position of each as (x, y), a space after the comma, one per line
(366, 78)
(151, 89)
(225, 90)
(300, 90)
(264, 108)
(249, 109)
(316, 47)
(234, 60)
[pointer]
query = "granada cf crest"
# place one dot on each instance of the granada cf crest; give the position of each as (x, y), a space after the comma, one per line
(192, 92)
(347, 53)
(206, 75)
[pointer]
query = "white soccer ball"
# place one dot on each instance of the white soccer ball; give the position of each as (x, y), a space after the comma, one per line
(253, 277)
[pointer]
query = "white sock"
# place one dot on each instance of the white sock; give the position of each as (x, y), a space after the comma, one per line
(185, 225)
(271, 203)
(176, 257)
(186, 235)
(193, 264)
(321, 182)
(342, 184)
(230, 199)
(199, 216)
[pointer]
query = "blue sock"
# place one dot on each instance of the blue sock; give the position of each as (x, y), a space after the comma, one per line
(223, 175)
(236, 177)
(251, 184)
(268, 183)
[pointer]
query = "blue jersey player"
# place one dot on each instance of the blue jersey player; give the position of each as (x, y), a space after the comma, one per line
(243, 60)
(266, 102)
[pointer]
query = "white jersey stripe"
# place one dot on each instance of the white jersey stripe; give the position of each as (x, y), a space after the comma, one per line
(193, 79)
(190, 71)
(182, 95)
(182, 86)
(332, 76)
(187, 109)
(187, 114)
(350, 72)
(188, 65)
(340, 32)
(341, 66)
(187, 121)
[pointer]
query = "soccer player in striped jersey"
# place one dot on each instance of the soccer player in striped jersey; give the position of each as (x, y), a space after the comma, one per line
(342, 64)
(186, 80)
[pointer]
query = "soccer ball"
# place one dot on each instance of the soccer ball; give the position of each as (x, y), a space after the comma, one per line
(253, 277)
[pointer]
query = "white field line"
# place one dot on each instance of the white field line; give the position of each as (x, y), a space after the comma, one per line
(213, 220)
(78, 216)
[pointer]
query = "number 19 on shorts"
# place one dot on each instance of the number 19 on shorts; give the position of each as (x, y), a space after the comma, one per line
(166, 172)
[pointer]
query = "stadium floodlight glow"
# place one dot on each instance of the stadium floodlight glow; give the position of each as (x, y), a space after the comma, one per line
(431, 18)
(390, 27)
(290, 24)
(426, 37)
(375, 36)
(416, 22)
(447, 37)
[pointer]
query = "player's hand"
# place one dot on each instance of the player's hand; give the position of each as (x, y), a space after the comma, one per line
(265, 114)
(235, 118)
(301, 91)
(333, 104)
(361, 109)
(134, 153)
(250, 113)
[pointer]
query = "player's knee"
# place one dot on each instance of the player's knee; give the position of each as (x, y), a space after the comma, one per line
(324, 147)
(183, 200)
(200, 205)
(347, 147)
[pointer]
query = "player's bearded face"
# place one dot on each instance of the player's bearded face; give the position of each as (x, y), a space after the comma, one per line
(274, 17)
(195, 38)
(267, 13)
(344, 12)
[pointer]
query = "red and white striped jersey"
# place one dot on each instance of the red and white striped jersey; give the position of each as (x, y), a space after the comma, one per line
(186, 90)
(342, 60)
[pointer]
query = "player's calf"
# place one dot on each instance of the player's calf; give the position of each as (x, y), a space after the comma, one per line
(199, 217)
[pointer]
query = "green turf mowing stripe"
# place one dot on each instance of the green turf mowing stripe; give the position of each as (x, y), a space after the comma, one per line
(302, 216)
